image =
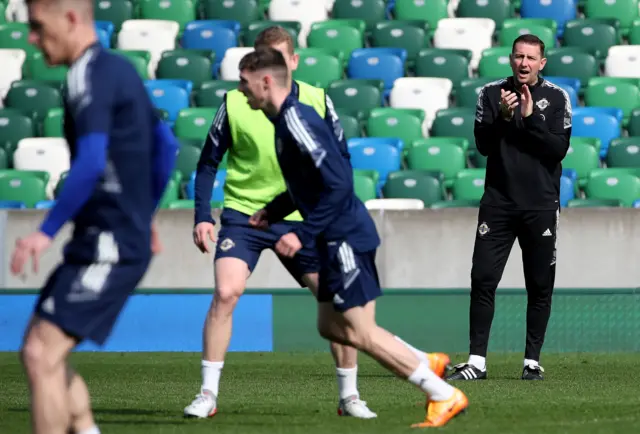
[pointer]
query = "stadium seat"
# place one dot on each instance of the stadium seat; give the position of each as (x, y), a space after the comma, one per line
(567, 191)
(229, 64)
(460, 142)
(496, 10)
(634, 32)
(446, 158)
(364, 186)
(168, 97)
(604, 126)
(12, 204)
(625, 11)
(624, 152)
(103, 37)
(181, 204)
(558, 10)
(304, 12)
(356, 94)
(113, 11)
(511, 33)
(180, 11)
(140, 60)
(594, 203)
(217, 194)
(565, 82)
(335, 36)
(383, 158)
(430, 94)
(350, 126)
(633, 125)
(571, 93)
(605, 184)
(582, 158)
(171, 193)
(475, 34)
(571, 62)
(16, 35)
(405, 124)
(468, 91)
(395, 204)
(455, 122)
(44, 154)
(413, 184)
(393, 34)
(194, 122)
(430, 11)
(185, 65)
(12, 61)
(242, 11)
(636, 204)
(477, 160)
(386, 64)
(612, 93)
(4, 159)
(318, 68)
(451, 64)
(14, 126)
(187, 161)
(446, 204)
(52, 126)
(208, 35)
(468, 184)
(211, 93)
(32, 98)
(251, 32)
(374, 142)
(595, 36)
(521, 22)
(24, 186)
(38, 69)
(369, 11)
(44, 204)
(623, 61)
(154, 36)
(495, 63)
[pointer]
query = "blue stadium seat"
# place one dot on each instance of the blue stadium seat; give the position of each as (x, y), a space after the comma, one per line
(566, 81)
(187, 85)
(612, 111)
(386, 64)
(375, 141)
(384, 158)
(105, 31)
(217, 195)
(597, 124)
(559, 10)
(12, 204)
(571, 174)
(209, 35)
(227, 24)
(168, 97)
(567, 191)
(636, 204)
(103, 37)
(573, 95)
(44, 204)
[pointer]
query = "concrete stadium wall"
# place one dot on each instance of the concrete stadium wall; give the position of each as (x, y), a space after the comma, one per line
(598, 248)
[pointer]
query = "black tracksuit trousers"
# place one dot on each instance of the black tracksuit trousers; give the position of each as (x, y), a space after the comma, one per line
(497, 230)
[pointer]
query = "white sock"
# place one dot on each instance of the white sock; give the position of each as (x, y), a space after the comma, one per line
(347, 382)
(528, 362)
(478, 361)
(435, 387)
(93, 430)
(421, 355)
(211, 372)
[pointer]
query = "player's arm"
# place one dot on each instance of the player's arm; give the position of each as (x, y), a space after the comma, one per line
(93, 90)
(486, 127)
(281, 206)
(314, 138)
(216, 144)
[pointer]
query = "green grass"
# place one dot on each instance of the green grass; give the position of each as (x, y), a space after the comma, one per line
(296, 393)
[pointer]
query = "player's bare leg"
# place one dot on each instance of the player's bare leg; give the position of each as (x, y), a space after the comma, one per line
(231, 276)
(357, 327)
(82, 421)
(43, 356)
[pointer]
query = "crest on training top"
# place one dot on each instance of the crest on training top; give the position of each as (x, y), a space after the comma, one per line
(483, 228)
(542, 104)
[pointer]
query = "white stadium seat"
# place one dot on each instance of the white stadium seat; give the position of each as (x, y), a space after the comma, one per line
(427, 93)
(155, 36)
(306, 12)
(394, 204)
(475, 34)
(623, 61)
(11, 69)
(17, 11)
(229, 66)
(48, 154)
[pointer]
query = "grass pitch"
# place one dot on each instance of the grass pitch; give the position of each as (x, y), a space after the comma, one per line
(297, 393)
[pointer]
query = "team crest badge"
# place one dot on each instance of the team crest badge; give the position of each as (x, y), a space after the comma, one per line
(483, 229)
(542, 104)
(227, 244)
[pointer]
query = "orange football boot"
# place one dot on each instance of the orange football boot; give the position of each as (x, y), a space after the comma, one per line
(438, 363)
(441, 412)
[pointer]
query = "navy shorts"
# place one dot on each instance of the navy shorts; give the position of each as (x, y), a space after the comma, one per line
(85, 300)
(237, 239)
(348, 279)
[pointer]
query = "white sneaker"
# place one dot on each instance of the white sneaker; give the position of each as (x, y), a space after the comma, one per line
(203, 406)
(353, 406)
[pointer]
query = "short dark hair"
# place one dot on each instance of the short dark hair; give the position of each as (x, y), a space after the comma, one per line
(275, 35)
(530, 40)
(265, 58)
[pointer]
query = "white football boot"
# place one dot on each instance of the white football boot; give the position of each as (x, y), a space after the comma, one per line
(203, 406)
(354, 407)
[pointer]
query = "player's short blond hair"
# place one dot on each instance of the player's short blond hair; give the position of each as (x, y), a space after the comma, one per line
(272, 36)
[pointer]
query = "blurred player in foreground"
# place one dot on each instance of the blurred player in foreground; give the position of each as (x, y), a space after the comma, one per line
(122, 157)
(319, 181)
(253, 179)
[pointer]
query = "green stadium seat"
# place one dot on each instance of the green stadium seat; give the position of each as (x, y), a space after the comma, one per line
(211, 93)
(460, 142)
(2, 13)
(413, 184)
(24, 186)
(446, 158)
(495, 63)
(593, 203)
(633, 125)
(351, 126)
(32, 98)
(251, 32)
(317, 68)
(607, 184)
(194, 122)
(444, 63)
(546, 34)
(594, 142)
(16, 35)
(243, 11)
(179, 11)
(371, 173)
(53, 123)
(595, 36)
(337, 36)
(530, 22)
(497, 10)
(469, 184)
(60, 184)
(171, 193)
(430, 11)
(184, 65)
(468, 90)
(369, 11)
(364, 186)
(478, 160)
(4, 159)
(39, 70)
(624, 152)
(195, 143)
(582, 158)
(114, 11)
(443, 204)
(400, 35)
(356, 94)
(405, 124)
(571, 62)
(139, 59)
(180, 204)
(359, 115)
(455, 122)
(609, 92)
(634, 32)
(187, 160)
(625, 11)
(14, 126)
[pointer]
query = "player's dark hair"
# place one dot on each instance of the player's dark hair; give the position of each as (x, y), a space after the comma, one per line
(274, 35)
(266, 58)
(530, 40)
